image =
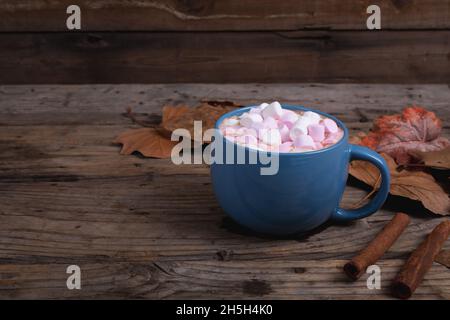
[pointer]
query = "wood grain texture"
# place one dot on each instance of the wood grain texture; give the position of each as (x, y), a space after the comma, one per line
(233, 15)
(314, 56)
(145, 228)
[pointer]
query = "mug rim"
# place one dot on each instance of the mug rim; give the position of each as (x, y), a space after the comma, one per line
(285, 154)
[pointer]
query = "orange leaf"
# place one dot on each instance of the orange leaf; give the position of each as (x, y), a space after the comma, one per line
(148, 141)
(183, 117)
(415, 185)
(415, 129)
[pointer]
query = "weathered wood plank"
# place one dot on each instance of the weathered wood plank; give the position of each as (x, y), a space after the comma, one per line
(291, 279)
(145, 228)
(319, 56)
(177, 15)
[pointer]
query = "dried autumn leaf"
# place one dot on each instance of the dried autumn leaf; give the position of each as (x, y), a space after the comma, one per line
(437, 159)
(415, 185)
(183, 117)
(169, 113)
(148, 141)
(443, 258)
(415, 129)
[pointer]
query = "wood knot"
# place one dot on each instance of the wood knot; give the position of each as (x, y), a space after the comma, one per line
(224, 255)
(256, 287)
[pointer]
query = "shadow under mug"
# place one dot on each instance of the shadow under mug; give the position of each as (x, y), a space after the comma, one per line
(305, 192)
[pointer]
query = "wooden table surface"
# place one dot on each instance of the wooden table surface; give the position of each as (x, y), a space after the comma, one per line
(145, 228)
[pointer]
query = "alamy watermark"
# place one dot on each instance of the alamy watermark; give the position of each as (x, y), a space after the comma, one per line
(74, 280)
(190, 150)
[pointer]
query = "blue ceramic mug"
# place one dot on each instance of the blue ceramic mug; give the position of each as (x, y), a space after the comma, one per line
(304, 193)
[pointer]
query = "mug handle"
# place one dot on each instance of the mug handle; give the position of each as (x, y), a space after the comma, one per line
(366, 154)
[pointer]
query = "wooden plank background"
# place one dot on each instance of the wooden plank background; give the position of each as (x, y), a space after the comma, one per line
(146, 228)
(221, 15)
(224, 41)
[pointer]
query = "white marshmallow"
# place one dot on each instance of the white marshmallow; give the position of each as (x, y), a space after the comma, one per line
(273, 110)
(304, 141)
(313, 117)
(249, 119)
(262, 105)
(270, 136)
(330, 126)
(300, 128)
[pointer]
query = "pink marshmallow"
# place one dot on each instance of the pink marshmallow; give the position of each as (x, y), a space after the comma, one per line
(304, 141)
(289, 116)
(330, 126)
(270, 123)
(284, 132)
(288, 124)
(317, 132)
(332, 138)
(258, 125)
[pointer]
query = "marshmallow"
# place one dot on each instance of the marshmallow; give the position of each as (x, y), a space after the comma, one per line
(332, 138)
(314, 118)
(304, 141)
(299, 128)
(330, 126)
(270, 136)
(251, 132)
(289, 116)
(270, 123)
(249, 119)
(269, 127)
(262, 106)
(317, 132)
(284, 132)
(273, 110)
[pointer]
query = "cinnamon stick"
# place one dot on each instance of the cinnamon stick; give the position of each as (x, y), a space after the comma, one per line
(382, 242)
(420, 261)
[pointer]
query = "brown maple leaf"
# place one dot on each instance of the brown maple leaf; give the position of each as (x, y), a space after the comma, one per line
(415, 129)
(415, 185)
(183, 117)
(436, 159)
(148, 141)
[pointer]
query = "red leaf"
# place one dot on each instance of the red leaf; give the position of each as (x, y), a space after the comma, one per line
(415, 129)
